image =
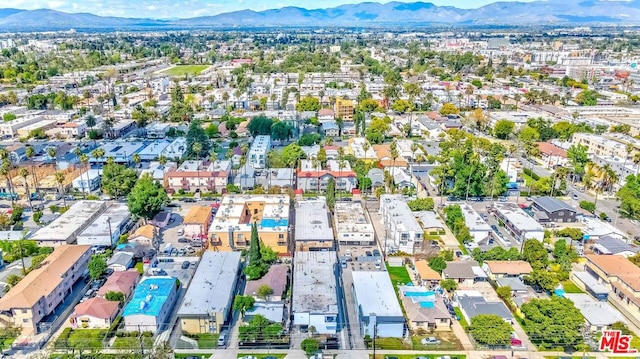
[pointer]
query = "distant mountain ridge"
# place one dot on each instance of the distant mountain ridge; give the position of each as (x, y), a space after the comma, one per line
(362, 14)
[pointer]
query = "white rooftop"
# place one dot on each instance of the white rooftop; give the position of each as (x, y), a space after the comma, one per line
(66, 227)
(314, 282)
(375, 294)
(312, 221)
(518, 217)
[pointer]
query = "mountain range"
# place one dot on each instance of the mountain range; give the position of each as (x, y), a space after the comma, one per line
(547, 12)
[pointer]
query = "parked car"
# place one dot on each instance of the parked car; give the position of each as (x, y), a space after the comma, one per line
(181, 231)
(495, 228)
(368, 254)
(182, 252)
(184, 240)
(376, 253)
(378, 264)
(429, 341)
(185, 265)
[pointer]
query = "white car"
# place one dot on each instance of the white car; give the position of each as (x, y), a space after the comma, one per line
(429, 341)
(181, 231)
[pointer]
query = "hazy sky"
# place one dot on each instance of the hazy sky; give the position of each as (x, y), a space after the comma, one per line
(191, 8)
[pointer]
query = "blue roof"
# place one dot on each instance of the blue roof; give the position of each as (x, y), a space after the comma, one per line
(150, 296)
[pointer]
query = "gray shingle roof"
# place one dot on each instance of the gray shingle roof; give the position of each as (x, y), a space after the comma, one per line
(550, 204)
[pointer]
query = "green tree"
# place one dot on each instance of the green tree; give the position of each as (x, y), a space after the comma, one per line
(449, 109)
(438, 264)
(629, 196)
(490, 329)
(331, 193)
(196, 134)
(292, 154)
(281, 131)
(211, 130)
(118, 180)
(97, 267)
(421, 204)
(309, 139)
(242, 303)
(578, 158)
(13, 279)
(533, 251)
(503, 129)
(552, 321)
(308, 103)
(147, 198)
(114, 296)
(264, 291)
(449, 285)
(587, 98)
(402, 106)
(310, 346)
(504, 293)
(260, 125)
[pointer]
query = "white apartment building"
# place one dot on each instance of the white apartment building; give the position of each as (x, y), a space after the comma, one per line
(352, 224)
(403, 230)
(258, 151)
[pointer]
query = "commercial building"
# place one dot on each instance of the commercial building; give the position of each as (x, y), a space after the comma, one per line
(196, 221)
(88, 181)
(622, 279)
(517, 222)
(379, 313)
(315, 298)
(66, 228)
(313, 230)
(107, 228)
(41, 291)
(478, 227)
(404, 233)
(352, 224)
(551, 209)
(231, 227)
(151, 304)
(199, 176)
(207, 304)
(257, 156)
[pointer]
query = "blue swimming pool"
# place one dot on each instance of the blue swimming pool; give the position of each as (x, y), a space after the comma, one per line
(427, 305)
(419, 294)
(271, 222)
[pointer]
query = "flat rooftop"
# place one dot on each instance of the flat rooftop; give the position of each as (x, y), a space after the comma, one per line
(350, 217)
(115, 215)
(119, 150)
(312, 221)
(314, 283)
(213, 284)
(473, 220)
(149, 296)
(595, 312)
(154, 149)
(272, 213)
(518, 217)
(70, 223)
(375, 294)
(399, 212)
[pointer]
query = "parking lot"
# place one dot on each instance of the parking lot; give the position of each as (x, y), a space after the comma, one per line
(172, 232)
(175, 267)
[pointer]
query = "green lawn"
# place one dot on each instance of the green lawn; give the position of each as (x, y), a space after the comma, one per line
(259, 356)
(399, 275)
(392, 344)
(132, 343)
(140, 267)
(81, 338)
(463, 322)
(448, 341)
(181, 70)
(570, 287)
(206, 340)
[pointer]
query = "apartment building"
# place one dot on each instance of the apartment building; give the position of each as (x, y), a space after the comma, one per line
(231, 227)
(352, 224)
(404, 233)
(258, 152)
(41, 291)
(199, 176)
(312, 178)
(599, 145)
(344, 109)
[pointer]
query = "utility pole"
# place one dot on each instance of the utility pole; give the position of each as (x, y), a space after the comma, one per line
(375, 326)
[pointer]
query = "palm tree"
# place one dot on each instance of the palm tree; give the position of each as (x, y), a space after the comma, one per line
(162, 159)
(98, 154)
(135, 158)
(24, 173)
(30, 152)
(629, 148)
(197, 149)
(341, 166)
(517, 97)
(5, 170)
(84, 159)
(51, 152)
(414, 149)
(60, 177)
